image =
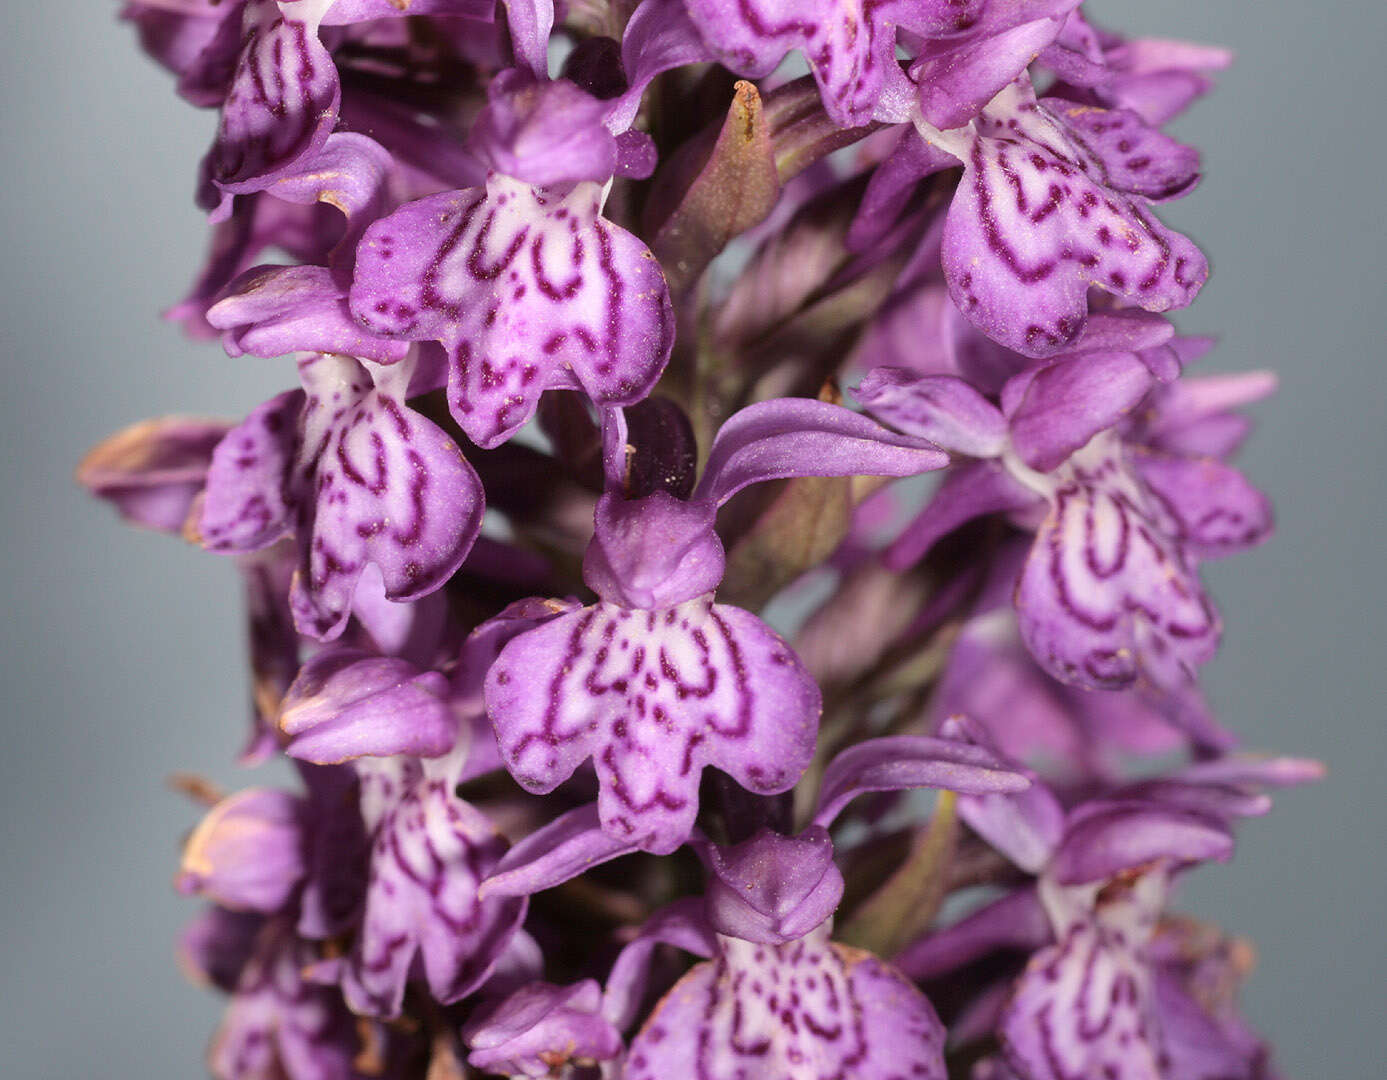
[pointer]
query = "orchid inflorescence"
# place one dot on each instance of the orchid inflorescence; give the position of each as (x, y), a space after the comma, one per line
(567, 440)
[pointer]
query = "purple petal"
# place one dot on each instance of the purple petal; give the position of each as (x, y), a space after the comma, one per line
(1106, 593)
(1216, 510)
(275, 310)
(653, 697)
(773, 889)
(968, 491)
(1249, 770)
(1083, 1008)
(247, 504)
(658, 38)
(215, 946)
(892, 183)
(1016, 921)
(1138, 157)
(1037, 221)
(429, 854)
(849, 46)
(282, 104)
(347, 703)
(1110, 838)
(545, 133)
(542, 1028)
(571, 844)
(682, 924)
(388, 488)
(653, 553)
(530, 22)
(903, 762)
(279, 1024)
(152, 471)
(247, 853)
(941, 408)
(527, 293)
(1066, 403)
(809, 1008)
(788, 437)
(956, 81)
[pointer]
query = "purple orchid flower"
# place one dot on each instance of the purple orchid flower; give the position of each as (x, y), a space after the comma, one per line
(541, 1029)
(430, 849)
(1109, 593)
(356, 477)
(656, 681)
(1052, 203)
(1086, 1003)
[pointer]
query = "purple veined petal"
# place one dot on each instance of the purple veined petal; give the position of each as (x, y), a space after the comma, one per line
(347, 703)
(544, 133)
(849, 46)
(541, 1028)
(430, 852)
(1083, 1008)
(279, 1023)
(682, 924)
(526, 291)
(1016, 921)
(1039, 219)
(968, 491)
(272, 311)
(152, 471)
(658, 37)
(773, 889)
(1138, 157)
(571, 844)
(653, 697)
(198, 42)
(388, 487)
(1107, 595)
(283, 98)
(772, 440)
(653, 553)
(1067, 402)
(1112, 837)
(956, 80)
(247, 503)
(940, 408)
(903, 762)
(1216, 510)
(345, 12)
(808, 1008)
(247, 853)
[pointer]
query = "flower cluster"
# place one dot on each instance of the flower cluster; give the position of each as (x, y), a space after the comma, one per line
(570, 293)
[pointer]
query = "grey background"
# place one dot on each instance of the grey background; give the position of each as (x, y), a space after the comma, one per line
(122, 652)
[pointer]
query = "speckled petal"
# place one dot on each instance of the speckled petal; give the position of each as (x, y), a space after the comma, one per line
(1107, 594)
(429, 852)
(248, 503)
(527, 292)
(387, 487)
(653, 697)
(1041, 217)
(1215, 510)
(802, 1011)
(282, 103)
